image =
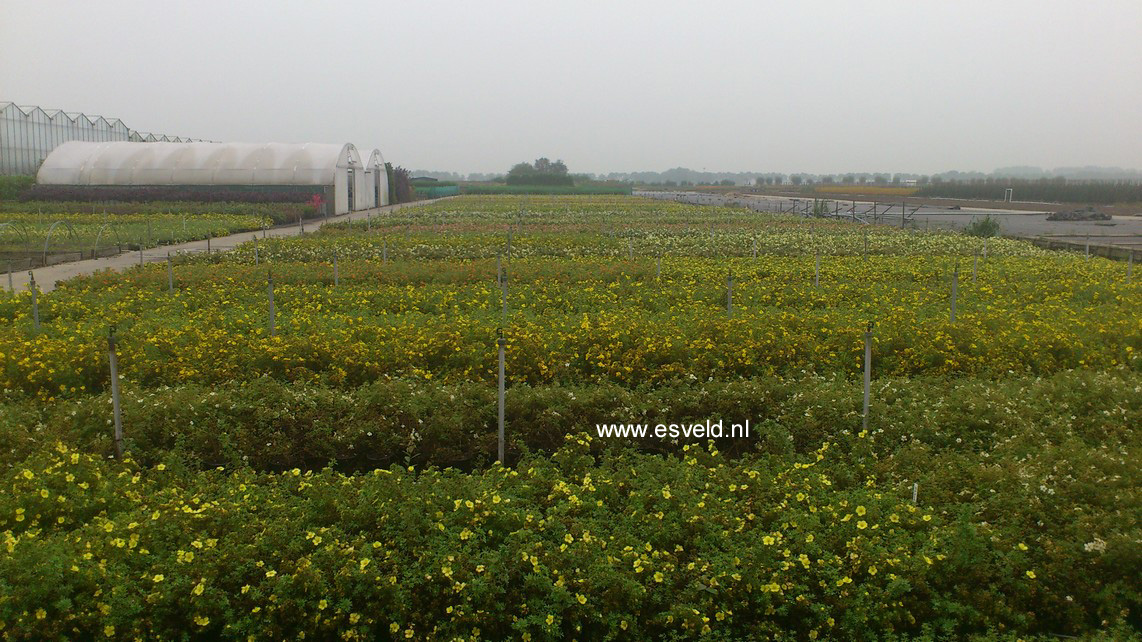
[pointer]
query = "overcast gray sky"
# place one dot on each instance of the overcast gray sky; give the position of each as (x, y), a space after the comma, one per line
(612, 85)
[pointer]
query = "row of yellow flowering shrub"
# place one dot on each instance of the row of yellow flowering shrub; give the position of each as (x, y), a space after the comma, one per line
(571, 546)
(271, 425)
(572, 321)
(585, 241)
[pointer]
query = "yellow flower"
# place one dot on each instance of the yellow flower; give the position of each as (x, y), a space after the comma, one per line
(550, 619)
(582, 598)
(1031, 574)
(108, 630)
(658, 576)
(322, 605)
(41, 614)
(1022, 546)
(862, 525)
(157, 578)
(201, 620)
(861, 510)
(198, 588)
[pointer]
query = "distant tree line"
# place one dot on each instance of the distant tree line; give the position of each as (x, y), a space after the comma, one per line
(684, 177)
(1052, 190)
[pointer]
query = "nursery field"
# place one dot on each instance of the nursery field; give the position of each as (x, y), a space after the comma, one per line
(38, 233)
(34, 233)
(310, 434)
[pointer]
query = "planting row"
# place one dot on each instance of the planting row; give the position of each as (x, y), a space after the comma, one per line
(270, 425)
(620, 545)
(1037, 316)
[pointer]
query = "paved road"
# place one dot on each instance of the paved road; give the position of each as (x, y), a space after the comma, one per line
(1120, 231)
(47, 277)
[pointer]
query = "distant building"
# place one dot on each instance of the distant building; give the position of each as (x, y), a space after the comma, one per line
(29, 133)
(334, 172)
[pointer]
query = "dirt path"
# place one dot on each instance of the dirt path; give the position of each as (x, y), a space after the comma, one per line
(48, 277)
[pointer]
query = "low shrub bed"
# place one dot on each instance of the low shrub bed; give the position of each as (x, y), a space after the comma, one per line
(270, 425)
(616, 546)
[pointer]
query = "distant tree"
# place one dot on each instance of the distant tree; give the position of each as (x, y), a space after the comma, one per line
(923, 180)
(827, 179)
(778, 178)
(896, 179)
(795, 179)
(521, 169)
(542, 172)
(879, 179)
(863, 180)
(400, 187)
(849, 179)
(726, 182)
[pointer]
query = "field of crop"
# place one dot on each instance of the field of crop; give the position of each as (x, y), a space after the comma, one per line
(32, 233)
(336, 478)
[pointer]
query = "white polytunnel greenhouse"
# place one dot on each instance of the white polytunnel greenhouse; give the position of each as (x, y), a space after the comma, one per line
(377, 177)
(334, 171)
